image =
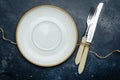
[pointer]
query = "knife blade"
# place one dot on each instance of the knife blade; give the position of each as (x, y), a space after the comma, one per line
(93, 26)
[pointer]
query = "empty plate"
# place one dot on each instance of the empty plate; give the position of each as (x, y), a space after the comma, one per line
(46, 35)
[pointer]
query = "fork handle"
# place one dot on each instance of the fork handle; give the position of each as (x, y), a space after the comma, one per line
(84, 58)
(80, 51)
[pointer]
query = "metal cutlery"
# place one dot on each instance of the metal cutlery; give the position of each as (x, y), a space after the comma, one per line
(87, 38)
(81, 48)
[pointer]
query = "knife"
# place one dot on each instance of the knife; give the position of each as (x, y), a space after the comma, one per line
(89, 38)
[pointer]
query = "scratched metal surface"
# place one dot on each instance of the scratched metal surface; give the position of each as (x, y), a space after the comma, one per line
(107, 38)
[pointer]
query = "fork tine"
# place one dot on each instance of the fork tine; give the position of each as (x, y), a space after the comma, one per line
(91, 13)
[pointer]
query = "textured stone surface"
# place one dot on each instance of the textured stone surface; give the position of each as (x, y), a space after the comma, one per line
(107, 38)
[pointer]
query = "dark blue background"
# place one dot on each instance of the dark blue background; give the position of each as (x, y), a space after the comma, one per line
(13, 66)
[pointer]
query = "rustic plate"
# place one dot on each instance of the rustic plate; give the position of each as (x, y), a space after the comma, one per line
(46, 35)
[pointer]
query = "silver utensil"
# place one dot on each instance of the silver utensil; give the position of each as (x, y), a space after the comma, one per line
(81, 48)
(89, 36)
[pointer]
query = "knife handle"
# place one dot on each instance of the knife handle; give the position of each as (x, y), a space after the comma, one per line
(80, 51)
(84, 58)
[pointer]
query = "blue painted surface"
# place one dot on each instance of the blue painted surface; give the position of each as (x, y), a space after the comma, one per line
(107, 38)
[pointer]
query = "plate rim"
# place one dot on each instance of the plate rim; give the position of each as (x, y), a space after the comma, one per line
(30, 10)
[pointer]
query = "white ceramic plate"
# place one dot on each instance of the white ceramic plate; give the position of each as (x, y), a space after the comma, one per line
(46, 35)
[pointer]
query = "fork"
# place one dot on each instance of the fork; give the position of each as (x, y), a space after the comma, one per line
(83, 42)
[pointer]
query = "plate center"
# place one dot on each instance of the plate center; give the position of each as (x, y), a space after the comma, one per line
(46, 35)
